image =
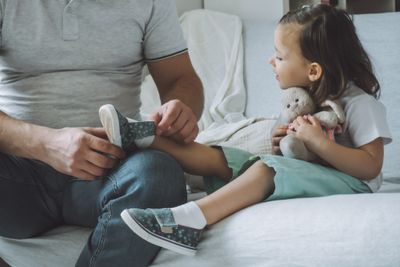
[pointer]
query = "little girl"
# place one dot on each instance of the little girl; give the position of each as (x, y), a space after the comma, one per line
(317, 49)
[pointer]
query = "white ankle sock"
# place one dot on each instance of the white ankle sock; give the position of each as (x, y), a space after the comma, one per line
(189, 215)
(144, 142)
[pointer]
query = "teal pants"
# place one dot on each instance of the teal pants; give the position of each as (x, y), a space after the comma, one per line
(293, 178)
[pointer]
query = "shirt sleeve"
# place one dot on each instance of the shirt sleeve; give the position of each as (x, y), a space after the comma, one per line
(366, 119)
(163, 36)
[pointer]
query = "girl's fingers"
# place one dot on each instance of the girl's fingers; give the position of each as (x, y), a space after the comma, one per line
(313, 120)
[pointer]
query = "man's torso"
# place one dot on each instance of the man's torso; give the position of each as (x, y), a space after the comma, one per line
(61, 60)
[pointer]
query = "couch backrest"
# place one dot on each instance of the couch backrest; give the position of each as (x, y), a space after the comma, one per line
(380, 34)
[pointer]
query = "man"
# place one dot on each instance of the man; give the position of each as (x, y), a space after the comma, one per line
(60, 60)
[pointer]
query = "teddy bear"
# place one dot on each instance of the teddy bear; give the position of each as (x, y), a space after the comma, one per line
(297, 102)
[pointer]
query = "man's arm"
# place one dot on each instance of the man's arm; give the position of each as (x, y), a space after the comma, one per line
(181, 94)
(73, 151)
(19, 138)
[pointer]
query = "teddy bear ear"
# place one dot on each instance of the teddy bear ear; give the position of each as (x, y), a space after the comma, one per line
(335, 106)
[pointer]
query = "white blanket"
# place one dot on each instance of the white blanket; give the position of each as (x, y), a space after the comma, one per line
(216, 51)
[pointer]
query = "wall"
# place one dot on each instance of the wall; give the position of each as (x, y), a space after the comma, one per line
(274, 9)
(185, 5)
(250, 9)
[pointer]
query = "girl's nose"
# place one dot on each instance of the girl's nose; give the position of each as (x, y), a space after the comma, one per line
(271, 61)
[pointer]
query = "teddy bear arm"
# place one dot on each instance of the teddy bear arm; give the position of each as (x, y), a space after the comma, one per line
(328, 119)
(293, 147)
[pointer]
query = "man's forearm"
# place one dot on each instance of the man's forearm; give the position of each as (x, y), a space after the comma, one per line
(189, 90)
(20, 138)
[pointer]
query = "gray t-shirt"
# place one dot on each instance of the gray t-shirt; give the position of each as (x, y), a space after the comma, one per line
(60, 60)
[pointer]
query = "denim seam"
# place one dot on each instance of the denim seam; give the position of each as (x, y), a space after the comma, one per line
(114, 181)
(102, 241)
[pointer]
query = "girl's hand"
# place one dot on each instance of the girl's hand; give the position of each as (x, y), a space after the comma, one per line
(277, 134)
(307, 128)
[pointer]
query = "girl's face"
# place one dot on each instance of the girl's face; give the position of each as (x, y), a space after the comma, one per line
(288, 63)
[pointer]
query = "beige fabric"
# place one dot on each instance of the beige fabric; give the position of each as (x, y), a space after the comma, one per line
(255, 138)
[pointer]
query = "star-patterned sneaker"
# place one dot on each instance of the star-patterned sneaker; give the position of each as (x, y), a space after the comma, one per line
(157, 226)
(126, 133)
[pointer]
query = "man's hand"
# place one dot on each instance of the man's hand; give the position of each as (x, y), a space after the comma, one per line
(277, 134)
(176, 120)
(81, 152)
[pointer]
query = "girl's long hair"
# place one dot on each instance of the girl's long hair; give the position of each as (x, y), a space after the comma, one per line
(329, 38)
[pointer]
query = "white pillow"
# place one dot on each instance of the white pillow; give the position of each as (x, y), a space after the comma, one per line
(149, 96)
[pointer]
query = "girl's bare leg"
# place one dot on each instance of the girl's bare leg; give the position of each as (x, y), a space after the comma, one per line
(249, 188)
(180, 228)
(195, 158)
(253, 186)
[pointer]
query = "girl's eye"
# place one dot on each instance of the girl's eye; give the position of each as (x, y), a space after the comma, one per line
(278, 58)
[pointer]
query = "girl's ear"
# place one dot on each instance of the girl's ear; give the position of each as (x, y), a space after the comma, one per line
(315, 72)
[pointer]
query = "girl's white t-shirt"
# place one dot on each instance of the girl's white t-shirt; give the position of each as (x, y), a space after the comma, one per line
(365, 121)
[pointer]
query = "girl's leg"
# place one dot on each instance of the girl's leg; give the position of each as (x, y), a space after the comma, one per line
(194, 158)
(180, 228)
(249, 188)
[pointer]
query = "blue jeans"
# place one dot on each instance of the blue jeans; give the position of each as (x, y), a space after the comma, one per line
(35, 198)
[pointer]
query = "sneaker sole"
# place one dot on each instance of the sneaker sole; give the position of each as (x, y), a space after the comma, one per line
(150, 237)
(108, 118)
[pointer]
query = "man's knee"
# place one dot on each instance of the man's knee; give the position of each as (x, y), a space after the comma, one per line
(155, 164)
(153, 177)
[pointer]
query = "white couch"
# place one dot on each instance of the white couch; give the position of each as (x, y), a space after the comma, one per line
(341, 230)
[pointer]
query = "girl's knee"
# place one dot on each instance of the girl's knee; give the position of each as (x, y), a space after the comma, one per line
(262, 166)
(264, 172)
